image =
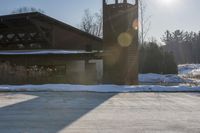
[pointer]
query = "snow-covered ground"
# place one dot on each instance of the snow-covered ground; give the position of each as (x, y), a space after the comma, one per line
(43, 52)
(159, 78)
(98, 88)
(188, 74)
(189, 70)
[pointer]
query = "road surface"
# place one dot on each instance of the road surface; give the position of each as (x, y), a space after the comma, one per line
(82, 112)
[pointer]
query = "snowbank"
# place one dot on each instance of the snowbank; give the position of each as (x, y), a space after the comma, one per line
(98, 88)
(189, 69)
(158, 78)
(188, 73)
(41, 52)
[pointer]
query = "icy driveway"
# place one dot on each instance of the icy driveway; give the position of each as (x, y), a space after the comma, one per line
(79, 112)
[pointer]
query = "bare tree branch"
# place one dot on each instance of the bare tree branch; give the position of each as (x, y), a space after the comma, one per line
(92, 23)
(145, 23)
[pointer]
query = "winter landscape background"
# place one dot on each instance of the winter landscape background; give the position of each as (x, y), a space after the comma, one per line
(187, 80)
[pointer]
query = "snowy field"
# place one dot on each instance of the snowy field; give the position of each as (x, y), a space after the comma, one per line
(186, 81)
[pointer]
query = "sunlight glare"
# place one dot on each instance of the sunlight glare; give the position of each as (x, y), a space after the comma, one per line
(169, 3)
(125, 39)
(12, 99)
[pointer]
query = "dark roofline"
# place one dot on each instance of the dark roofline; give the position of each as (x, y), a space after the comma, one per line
(51, 20)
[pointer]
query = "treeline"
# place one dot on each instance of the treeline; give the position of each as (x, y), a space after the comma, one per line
(153, 59)
(184, 45)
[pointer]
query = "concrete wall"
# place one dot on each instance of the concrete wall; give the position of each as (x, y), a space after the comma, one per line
(99, 69)
(86, 71)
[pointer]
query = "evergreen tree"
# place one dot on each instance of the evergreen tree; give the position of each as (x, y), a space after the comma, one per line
(153, 59)
(185, 46)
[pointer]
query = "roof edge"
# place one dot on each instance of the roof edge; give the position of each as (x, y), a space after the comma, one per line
(36, 14)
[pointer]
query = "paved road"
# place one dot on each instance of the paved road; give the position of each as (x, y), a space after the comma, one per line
(99, 112)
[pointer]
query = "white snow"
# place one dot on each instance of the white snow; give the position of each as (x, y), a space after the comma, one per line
(189, 69)
(187, 74)
(43, 52)
(159, 78)
(190, 72)
(98, 88)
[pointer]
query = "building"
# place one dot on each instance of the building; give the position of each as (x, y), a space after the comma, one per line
(34, 39)
(31, 39)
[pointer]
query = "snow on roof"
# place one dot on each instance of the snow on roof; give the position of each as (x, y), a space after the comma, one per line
(42, 52)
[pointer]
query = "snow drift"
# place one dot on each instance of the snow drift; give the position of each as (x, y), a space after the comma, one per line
(98, 88)
(188, 73)
(158, 78)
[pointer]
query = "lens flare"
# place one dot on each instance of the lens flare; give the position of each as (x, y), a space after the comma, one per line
(135, 24)
(125, 39)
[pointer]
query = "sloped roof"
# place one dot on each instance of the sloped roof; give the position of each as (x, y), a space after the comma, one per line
(48, 19)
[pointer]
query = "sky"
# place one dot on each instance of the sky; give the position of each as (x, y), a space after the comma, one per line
(164, 14)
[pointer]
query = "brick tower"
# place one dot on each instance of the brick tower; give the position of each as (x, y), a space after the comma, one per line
(120, 42)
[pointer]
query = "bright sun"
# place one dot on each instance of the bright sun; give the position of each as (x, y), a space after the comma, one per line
(168, 2)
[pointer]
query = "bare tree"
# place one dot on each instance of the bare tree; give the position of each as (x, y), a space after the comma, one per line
(26, 10)
(98, 25)
(144, 21)
(92, 23)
